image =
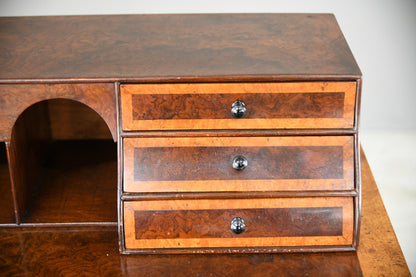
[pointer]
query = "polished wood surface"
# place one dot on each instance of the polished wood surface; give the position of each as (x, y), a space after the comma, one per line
(205, 164)
(15, 99)
(206, 223)
(301, 105)
(264, 163)
(217, 106)
(94, 251)
(150, 47)
(321, 221)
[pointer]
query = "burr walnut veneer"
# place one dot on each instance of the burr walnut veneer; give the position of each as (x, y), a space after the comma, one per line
(234, 132)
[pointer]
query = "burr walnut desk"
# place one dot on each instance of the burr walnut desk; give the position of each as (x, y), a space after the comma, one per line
(234, 132)
(92, 251)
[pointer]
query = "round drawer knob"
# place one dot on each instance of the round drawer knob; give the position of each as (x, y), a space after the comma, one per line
(238, 109)
(240, 163)
(237, 225)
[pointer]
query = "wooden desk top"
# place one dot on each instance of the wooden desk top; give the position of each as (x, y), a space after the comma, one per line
(94, 251)
(174, 48)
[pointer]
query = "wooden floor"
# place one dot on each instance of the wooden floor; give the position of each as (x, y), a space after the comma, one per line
(93, 251)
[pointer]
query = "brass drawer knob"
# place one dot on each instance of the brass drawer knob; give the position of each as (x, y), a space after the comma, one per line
(237, 225)
(240, 162)
(238, 109)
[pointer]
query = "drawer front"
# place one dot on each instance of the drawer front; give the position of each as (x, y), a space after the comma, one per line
(312, 105)
(319, 221)
(207, 164)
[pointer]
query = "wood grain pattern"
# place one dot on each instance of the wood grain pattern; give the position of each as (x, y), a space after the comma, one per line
(193, 177)
(153, 47)
(280, 222)
(71, 120)
(207, 106)
(59, 252)
(316, 264)
(93, 252)
(16, 98)
(215, 163)
(130, 208)
(379, 251)
(26, 154)
(217, 106)
(7, 214)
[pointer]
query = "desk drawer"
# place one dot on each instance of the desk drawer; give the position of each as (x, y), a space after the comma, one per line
(207, 164)
(309, 105)
(286, 222)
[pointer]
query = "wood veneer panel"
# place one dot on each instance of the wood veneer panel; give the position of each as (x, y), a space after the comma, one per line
(133, 242)
(155, 46)
(305, 105)
(259, 223)
(16, 98)
(72, 121)
(7, 214)
(217, 106)
(276, 162)
(200, 171)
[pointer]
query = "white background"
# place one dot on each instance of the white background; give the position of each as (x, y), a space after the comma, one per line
(382, 37)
